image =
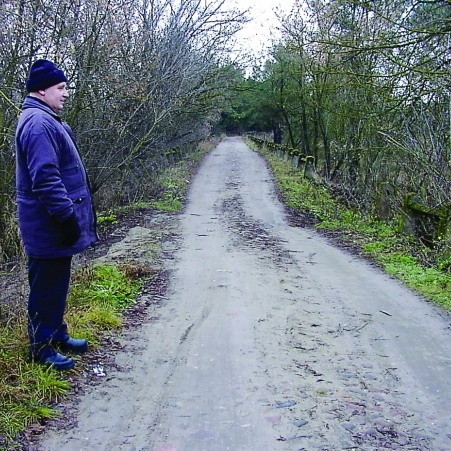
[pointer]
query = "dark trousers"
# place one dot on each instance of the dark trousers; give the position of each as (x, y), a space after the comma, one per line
(49, 283)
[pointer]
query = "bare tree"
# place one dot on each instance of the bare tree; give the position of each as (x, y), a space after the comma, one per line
(374, 80)
(147, 77)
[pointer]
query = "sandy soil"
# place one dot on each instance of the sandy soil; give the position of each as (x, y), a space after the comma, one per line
(266, 337)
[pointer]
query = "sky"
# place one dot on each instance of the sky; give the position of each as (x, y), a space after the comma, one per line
(256, 35)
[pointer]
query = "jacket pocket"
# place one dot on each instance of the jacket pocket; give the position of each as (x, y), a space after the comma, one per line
(72, 177)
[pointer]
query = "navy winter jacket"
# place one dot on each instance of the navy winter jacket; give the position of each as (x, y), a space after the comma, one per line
(51, 184)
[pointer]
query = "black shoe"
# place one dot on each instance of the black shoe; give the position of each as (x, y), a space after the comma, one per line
(54, 359)
(75, 345)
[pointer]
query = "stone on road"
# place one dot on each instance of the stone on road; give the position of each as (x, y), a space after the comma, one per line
(269, 338)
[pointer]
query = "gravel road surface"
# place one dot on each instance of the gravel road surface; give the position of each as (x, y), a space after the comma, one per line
(268, 338)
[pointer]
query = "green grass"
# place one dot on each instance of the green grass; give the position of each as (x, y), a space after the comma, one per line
(397, 254)
(430, 282)
(174, 181)
(107, 219)
(99, 295)
(27, 390)
(98, 298)
(168, 203)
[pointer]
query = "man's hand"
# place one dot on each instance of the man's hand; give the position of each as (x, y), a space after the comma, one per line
(71, 230)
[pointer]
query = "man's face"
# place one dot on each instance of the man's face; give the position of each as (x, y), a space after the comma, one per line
(55, 96)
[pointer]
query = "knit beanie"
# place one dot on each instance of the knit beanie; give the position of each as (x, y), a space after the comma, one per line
(43, 74)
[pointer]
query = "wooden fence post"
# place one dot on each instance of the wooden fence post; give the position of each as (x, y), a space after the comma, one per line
(427, 224)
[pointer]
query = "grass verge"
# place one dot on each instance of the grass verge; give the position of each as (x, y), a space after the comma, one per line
(399, 255)
(98, 298)
(174, 181)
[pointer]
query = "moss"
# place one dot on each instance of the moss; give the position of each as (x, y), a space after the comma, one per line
(430, 225)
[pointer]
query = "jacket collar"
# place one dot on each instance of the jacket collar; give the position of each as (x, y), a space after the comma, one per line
(33, 102)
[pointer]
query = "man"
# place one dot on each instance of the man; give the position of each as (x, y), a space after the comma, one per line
(55, 209)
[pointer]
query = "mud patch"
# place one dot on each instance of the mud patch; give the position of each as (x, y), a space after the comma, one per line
(250, 233)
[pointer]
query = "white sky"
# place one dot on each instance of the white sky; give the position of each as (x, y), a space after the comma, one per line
(256, 35)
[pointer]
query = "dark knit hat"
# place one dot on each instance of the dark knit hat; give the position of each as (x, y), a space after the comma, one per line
(43, 74)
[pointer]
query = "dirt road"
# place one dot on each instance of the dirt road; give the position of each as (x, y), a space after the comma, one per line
(269, 338)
